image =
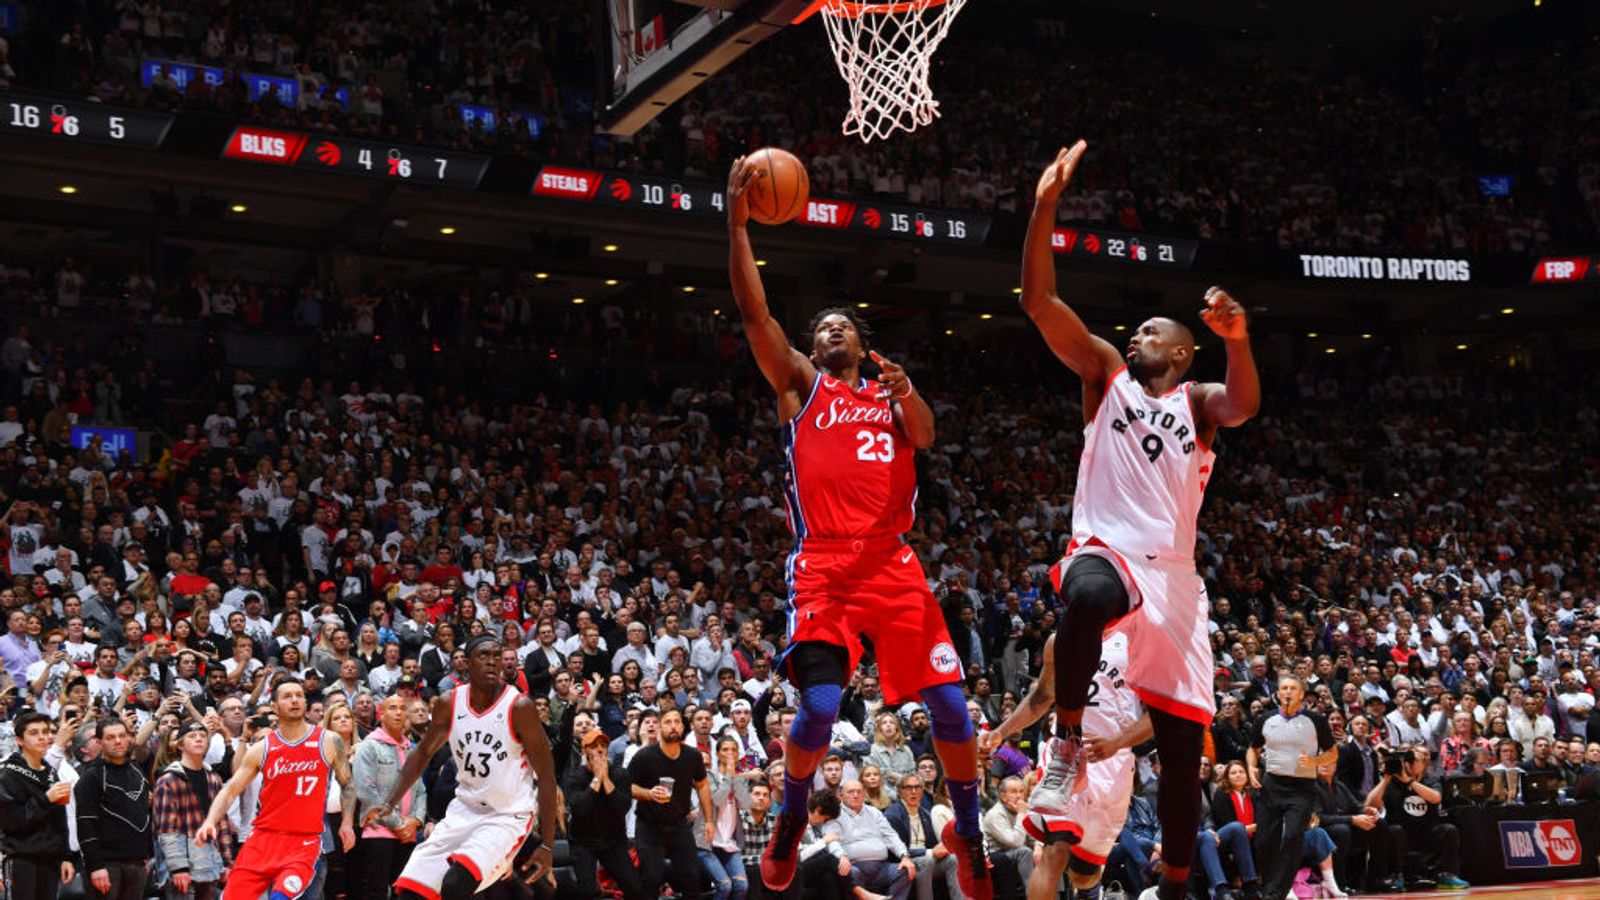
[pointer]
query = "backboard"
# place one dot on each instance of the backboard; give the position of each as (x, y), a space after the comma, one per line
(656, 51)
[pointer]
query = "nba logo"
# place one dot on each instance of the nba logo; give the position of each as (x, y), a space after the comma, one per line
(1537, 845)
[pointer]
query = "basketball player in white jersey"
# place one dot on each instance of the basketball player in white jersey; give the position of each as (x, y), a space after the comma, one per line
(1146, 461)
(503, 771)
(1114, 721)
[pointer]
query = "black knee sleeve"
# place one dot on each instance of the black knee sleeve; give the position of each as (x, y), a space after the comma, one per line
(1095, 596)
(459, 883)
(814, 662)
(1077, 865)
(1180, 743)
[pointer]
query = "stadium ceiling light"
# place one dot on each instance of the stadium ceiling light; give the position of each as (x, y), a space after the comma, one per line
(238, 208)
(1016, 290)
(611, 248)
(688, 289)
(863, 305)
(949, 331)
(540, 276)
(577, 301)
(1366, 336)
(68, 189)
(448, 229)
(1311, 334)
(1330, 351)
(986, 316)
(611, 282)
(761, 263)
(1507, 310)
(1461, 346)
(1121, 328)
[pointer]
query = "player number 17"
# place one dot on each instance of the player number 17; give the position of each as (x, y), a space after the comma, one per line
(876, 446)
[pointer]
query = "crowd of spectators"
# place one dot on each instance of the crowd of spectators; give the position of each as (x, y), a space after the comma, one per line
(1421, 548)
(1380, 154)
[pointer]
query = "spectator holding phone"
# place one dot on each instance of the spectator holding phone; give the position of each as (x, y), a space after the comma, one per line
(33, 815)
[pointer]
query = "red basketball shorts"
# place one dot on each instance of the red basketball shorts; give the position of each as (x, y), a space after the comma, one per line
(273, 862)
(842, 589)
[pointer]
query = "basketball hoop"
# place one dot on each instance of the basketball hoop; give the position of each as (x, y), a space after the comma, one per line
(884, 52)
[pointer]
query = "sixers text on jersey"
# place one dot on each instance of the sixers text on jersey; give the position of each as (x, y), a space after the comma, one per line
(852, 471)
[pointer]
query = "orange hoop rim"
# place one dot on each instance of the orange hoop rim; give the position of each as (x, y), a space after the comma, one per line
(849, 9)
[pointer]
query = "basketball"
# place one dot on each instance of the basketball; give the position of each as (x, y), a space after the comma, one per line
(780, 187)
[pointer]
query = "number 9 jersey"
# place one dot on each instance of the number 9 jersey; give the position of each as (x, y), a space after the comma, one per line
(852, 470)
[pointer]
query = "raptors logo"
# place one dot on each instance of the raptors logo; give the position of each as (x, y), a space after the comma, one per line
(943, 658)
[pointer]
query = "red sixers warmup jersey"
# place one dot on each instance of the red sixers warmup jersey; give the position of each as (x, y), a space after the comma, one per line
(294, 785)
(852, 472)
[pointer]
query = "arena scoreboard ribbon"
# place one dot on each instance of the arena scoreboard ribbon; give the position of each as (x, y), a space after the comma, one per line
(1125, 247)
(81, 121)
(699, 198)
(1564, 270)
(346, 155)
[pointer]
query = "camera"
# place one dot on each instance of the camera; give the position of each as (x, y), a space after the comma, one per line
(1395, 761)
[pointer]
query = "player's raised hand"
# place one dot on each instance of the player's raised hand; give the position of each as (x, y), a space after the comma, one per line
(1058, 173)
(739, 178)
(893, 383)
(1223, 315)
(206, 833)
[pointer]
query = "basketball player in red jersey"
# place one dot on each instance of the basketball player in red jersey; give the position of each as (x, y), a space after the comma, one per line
(851, 492)
(295, 761)
(1146, 461)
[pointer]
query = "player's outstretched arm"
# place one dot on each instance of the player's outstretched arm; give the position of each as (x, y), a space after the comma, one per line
(438, 732)
(244, 770)
(1041, 697)
(787, 369)
(1233, 403)
(1092, 358)
(536, 746)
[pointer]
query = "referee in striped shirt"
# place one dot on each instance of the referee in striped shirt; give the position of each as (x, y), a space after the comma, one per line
(1288, 745)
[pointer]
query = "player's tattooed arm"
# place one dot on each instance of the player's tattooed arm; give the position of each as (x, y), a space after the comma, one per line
(1040, 699)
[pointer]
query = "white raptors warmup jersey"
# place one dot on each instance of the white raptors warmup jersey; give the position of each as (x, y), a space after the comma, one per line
(1143, 474)
(1113, 706)
(492, 773)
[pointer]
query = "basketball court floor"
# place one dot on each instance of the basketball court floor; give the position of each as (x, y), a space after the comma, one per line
(1577, 889)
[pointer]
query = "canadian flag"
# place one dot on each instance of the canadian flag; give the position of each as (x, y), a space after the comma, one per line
(650, 38)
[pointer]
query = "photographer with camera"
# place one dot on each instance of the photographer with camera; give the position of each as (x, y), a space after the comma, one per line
(1411, 811)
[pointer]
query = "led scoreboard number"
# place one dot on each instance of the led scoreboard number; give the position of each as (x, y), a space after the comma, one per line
(1125, 247)
(352, 156)
(698, 198)
(80, 120)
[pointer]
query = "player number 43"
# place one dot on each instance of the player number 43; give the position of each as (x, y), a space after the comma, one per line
(876, 446)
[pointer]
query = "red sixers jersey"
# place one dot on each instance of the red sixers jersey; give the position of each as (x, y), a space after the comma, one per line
(294, 785)
(852, 471)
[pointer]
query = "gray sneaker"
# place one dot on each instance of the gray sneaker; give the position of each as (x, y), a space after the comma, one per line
(1061, 778)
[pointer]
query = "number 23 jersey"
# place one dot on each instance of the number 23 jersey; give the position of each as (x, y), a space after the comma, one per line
(852, 470)
(492, 774)
(1143, 473)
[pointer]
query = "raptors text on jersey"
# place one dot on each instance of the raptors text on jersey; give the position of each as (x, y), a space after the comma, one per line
(1143, 473)
(294, 784)
(852, 470)
(492, 772)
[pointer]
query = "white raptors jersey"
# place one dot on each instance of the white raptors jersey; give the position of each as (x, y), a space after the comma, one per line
(1143, 474)
(492, 773)
(1113, 706)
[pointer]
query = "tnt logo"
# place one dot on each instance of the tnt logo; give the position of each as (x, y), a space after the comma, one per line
(943, 658)
(1537, 845)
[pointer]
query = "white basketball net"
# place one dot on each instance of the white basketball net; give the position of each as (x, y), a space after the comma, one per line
(884, 52)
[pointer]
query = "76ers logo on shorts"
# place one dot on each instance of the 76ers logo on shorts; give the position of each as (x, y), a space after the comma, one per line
(943, 658)
(292, 885)
(1536, 845)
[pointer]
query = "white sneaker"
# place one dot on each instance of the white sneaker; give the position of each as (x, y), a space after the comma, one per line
(1330, 888)
(1060, 779)
(1148, 893)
